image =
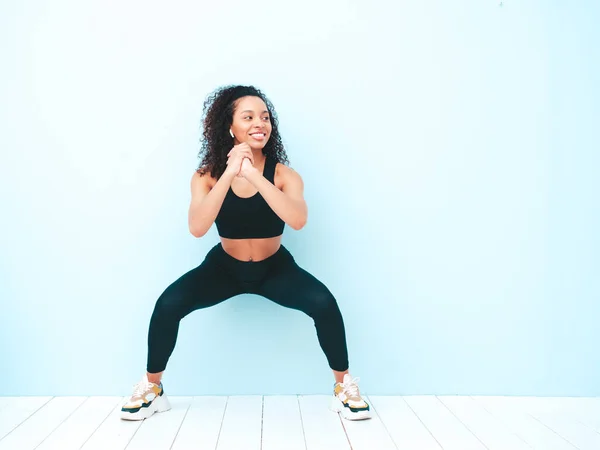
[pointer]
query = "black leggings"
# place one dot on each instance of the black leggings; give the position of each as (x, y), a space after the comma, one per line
(220, 276)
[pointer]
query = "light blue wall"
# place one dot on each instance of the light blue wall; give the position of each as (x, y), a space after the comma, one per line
(450, 157)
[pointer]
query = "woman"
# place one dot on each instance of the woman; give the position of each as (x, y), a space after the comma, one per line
(243, 186)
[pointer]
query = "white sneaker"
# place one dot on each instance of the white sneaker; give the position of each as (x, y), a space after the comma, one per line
(147, 399)
(347, 400)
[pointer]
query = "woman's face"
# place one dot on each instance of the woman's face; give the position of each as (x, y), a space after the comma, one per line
(251, 122)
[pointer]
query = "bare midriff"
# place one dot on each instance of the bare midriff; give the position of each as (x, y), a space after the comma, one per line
(251, 249)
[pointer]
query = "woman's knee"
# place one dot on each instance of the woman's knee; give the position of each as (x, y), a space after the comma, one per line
(322, 302)
(171, 303)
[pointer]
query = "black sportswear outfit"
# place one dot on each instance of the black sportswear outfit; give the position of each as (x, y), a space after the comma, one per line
(220, 276)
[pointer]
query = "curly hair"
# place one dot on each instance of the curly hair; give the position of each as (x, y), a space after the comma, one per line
(218, 117)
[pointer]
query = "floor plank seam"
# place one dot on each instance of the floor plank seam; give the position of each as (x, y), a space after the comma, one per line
(222, 420)
(64, 420)
(562, 437)
(98, 427)
(588, 426)
(134, 433)
(26, 419)
(463, 424)
(382, 423)
(502, 422)
(302, 422)
(262, 421)
(181, 424)
(345, 431)
(423, 423)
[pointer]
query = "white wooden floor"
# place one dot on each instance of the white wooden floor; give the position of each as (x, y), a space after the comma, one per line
(303, 423)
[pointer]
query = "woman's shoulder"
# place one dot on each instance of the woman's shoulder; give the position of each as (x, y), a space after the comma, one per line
(285, 174)
(203, 176)
(284, 168)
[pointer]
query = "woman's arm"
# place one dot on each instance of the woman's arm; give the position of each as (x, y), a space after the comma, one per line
(206, 202)
(288, 203)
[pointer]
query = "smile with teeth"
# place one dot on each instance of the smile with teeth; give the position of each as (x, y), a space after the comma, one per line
(258, 135)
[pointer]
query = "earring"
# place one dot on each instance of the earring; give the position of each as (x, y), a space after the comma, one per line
(231, 133)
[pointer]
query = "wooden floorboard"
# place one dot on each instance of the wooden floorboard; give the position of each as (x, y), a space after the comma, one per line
(323, 429)
(282, 424)
(447, 429)
(16, 410)
(161, 433)
(242, 423)
(494, 434)
(114, 433)
(304, 423)
(37, 427)
(369, 434)
(79, 426)
(553, 415)
(406, 429)
(202, 424)
(528, 428)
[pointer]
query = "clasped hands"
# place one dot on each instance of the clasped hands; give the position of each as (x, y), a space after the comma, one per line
(240, 160)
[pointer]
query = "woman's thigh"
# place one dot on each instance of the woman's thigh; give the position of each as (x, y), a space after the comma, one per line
(202, 287)
(293, 287)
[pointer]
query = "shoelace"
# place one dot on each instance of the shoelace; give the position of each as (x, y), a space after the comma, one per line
(351, 388)
(140, 388)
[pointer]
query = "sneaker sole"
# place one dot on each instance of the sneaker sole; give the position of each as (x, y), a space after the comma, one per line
(338, 407)
(159, 404)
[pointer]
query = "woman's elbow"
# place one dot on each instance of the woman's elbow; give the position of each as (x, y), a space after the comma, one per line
(299, 224)
(197, 232)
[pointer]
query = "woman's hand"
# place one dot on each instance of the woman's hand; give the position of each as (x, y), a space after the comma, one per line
(236, 157)
(247, 167)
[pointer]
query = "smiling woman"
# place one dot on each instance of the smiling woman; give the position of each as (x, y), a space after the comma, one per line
(244, 186)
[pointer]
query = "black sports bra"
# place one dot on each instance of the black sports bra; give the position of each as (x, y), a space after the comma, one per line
(252, 217)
